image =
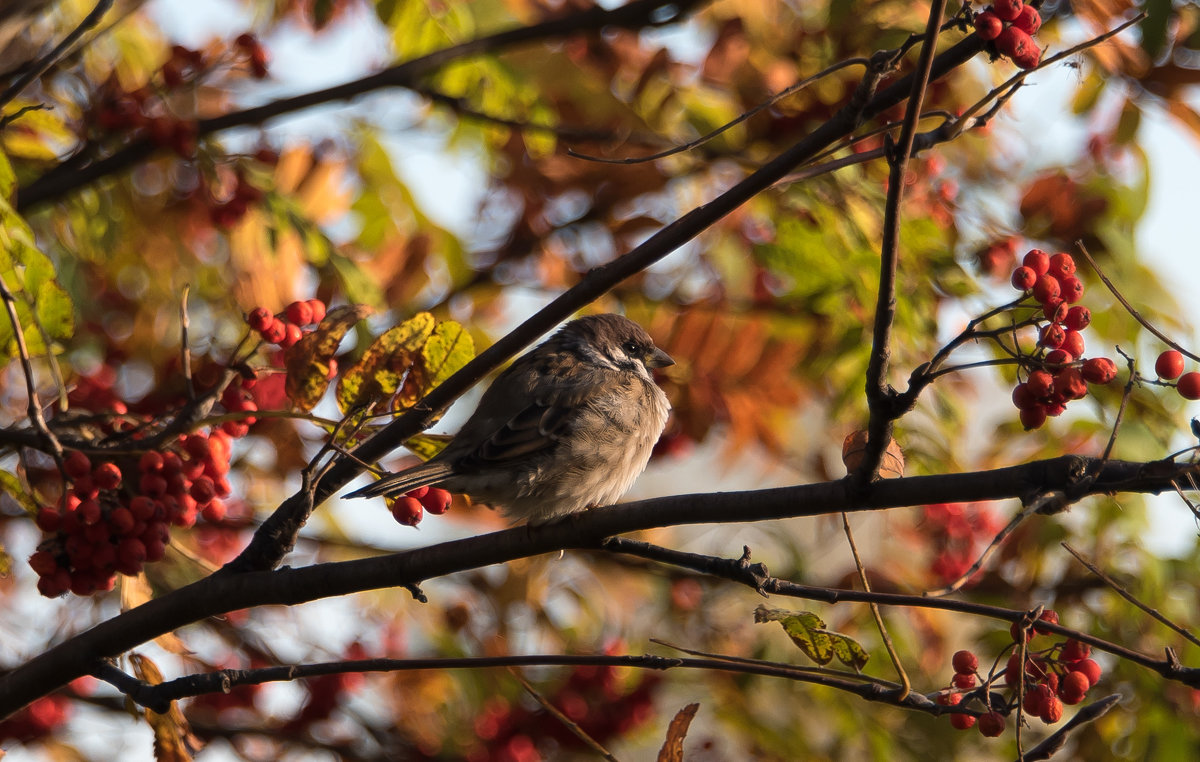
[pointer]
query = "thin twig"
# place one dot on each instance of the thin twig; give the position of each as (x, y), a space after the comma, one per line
(567, 722)
(1129, 307)
(1053, 743)
(34, 401)
(43, 65)
(1124, 593)
(905, 685)
(771, 101)
(764, 663)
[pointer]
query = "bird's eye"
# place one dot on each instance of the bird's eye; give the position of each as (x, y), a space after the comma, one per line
(631, 348)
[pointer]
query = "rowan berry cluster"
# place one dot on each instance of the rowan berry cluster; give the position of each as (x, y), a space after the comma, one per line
(1010, 26)
(1060, 674)
(957, 533)
(288, 327)
(1061, 373)
(106, 524)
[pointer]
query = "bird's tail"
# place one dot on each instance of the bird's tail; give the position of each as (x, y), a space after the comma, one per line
(405, 481)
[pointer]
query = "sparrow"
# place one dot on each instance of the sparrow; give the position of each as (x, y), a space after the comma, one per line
(568, 426)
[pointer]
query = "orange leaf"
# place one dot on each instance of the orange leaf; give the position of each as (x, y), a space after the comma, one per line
(308, 360)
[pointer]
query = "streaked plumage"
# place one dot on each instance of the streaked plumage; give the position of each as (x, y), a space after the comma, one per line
(567, 426)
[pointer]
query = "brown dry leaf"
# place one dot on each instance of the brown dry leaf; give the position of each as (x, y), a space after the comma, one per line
(134, 592)
(891, 466)
(173, 739)
(672, 748)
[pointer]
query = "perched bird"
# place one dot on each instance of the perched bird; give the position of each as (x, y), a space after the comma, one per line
(567, 426)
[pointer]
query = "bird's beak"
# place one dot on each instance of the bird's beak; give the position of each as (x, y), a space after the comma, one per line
(659, 359)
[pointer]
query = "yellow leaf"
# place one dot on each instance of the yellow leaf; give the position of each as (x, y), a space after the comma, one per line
(308, 360)
(378, 373)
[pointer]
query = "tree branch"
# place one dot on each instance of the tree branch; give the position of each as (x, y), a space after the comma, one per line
(219, 594)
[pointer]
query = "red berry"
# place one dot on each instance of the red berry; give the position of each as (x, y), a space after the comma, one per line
(89, 512)
(202, 490)
(150, 462)
(1189, 386)
(991, 724)
(417, 493)
(121, 520)
(1078, 318)
(77, 465)
(259, 319)
(1071, 289)
(43, 563)
(988, 26)
(964, 682)
(1038, 261)
(1033, 417)
(964, 662)
(1052, 336)
(962, 721)
(1028, 20)
(300, 313)
(1024, 398)
(1099, 370)
(1069, 384)
(214, 510)
(408, 511)
(276, 332)
(1040, 383)
(107, 476)
(1046, 288)
(1023, 278)
(1073, 343)
(1055, 310)
(1059, 357)
(1048, 615)
(198, 446)
(1018, 46)
(291, 335)
(1007, 9)
(1169, 365)
(1052, 710)
(436, 501)
(1089, 669)
(1073, 687)
(48, 519)
(1062, 265)
(948, 699)
(318, 310)
(1035, 699)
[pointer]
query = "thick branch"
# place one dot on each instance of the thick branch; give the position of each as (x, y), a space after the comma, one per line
(219, 594)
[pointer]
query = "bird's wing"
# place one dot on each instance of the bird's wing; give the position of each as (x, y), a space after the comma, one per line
(529, 408)
(405, 481)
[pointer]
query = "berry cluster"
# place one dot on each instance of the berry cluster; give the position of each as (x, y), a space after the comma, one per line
(410, 509)
(1169, 366)
(1061, 374)
(105, 525)
(958, 533)
(287, 328)
(1058, 675)
(593, 697)
(1010, 26)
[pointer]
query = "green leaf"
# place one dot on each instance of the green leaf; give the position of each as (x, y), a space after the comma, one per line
(1154, 27)
(377, 375)
(308, 360)
(425, 446)
(808, 632)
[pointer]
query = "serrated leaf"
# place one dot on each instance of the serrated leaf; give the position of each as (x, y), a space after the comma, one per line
(308, 360)
(808, 632)
(378, 373)
(448, 349)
